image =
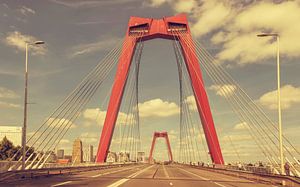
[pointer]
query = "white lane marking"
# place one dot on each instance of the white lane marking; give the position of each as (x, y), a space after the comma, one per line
(118, 183)
(67, 182)
(219, 184)
(60, 184)
(202, 177)
(98, 175)
(165, 171)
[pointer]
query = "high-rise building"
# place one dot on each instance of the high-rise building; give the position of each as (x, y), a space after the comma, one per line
(52, 157)
(60, 153)
(90, 154)
(77, 154)
(123, 157)
(12, 133)
(141, 156)
(111, 157)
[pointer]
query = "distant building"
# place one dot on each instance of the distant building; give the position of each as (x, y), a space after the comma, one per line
(90, 154)
(62, 161)
(51, 157)
(77, 154)
(60, 153)
(123, 157)
(141, 157)
(111, 157)
(68, 157)
(12, 133)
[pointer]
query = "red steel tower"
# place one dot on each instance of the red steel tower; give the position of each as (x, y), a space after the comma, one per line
(142, 29)
(160, 135)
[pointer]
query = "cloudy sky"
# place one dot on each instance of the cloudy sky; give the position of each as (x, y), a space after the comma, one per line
(79, 33)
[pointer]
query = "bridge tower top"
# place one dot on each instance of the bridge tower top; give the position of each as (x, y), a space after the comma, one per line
(149, 28)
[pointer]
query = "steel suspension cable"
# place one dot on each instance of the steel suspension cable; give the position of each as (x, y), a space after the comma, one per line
(179, 37)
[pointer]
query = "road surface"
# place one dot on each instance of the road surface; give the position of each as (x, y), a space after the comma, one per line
(141, 176)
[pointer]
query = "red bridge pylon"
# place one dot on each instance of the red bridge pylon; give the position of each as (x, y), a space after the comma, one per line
(142, 29)
(160, 135)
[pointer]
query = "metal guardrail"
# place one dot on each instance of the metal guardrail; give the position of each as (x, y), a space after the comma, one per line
(260, 174)
(32, 173)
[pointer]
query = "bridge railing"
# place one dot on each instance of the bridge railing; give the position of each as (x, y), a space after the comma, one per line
(253, 169)
(31, 173)
(255, 173)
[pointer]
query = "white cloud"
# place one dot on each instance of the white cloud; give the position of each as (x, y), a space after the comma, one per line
(236, 137)
(225, 90)
(19, 40)
(207, 15)
(89, 3)
(65, 141)
(158, 108)
(60, 123)
(7, 93)
(97, 116)
(290, 95)
(211, 15)
(151, 108)
(241, 126)
(235, 24)
(5, 5)
(9, 105)
(157, 3)
(244, 47)
(87, 48)
(173, 136)
(190, 100)
(25, 10)
(89, 137)
(184, 6)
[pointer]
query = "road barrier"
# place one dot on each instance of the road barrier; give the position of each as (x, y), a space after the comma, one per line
(259, 174)
(33, 173)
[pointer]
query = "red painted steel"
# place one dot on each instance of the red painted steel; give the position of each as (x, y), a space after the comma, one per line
(147, 29)
(160, 135)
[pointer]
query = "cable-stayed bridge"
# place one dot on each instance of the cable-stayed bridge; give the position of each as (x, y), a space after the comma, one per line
(199, 143)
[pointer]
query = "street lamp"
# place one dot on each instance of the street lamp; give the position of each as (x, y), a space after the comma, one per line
(278, 98)
(27, 44)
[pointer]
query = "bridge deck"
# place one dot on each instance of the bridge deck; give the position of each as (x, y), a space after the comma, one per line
(141, 175)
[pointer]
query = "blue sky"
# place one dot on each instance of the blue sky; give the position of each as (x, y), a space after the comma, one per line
(78, 34)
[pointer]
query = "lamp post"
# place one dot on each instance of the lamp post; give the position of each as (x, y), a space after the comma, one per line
(27, 44)
(278, 98)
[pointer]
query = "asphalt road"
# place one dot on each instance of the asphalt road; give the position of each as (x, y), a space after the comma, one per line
(141, 176)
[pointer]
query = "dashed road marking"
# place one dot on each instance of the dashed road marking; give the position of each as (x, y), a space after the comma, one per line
(202, 177)
(119, 182)
(98, 175)
(60, 184)
(219, 184)
(165, 171)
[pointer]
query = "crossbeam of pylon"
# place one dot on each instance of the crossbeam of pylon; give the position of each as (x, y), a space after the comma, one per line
(147, 29)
